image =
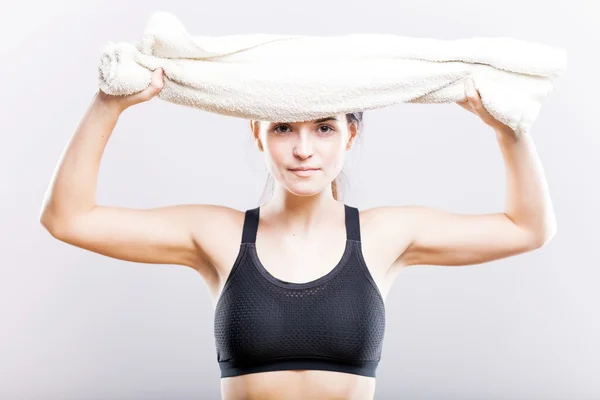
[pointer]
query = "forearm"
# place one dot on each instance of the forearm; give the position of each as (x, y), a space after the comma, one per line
(72, 189)
(528, 202)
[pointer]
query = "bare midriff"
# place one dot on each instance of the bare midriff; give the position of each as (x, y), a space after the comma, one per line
(298, 385)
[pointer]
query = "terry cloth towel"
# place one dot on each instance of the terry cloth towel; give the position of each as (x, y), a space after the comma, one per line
(290, 78)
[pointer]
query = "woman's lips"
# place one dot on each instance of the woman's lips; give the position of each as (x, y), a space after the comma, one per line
(305, 172)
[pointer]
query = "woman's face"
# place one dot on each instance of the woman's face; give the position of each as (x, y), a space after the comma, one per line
(305, 157)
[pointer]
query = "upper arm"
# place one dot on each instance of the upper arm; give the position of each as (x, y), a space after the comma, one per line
(438, 237)
(164, 235)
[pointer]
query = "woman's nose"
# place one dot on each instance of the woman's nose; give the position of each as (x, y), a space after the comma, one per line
(303, 148)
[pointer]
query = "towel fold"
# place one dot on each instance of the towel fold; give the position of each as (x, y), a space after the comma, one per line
(290, 78)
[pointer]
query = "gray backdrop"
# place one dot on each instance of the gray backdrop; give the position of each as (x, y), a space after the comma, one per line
(78, 325)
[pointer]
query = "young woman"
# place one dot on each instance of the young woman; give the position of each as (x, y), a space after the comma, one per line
(298, 284)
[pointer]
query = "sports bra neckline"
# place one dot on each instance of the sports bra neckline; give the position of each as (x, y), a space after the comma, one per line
(352, 227)
(300, 285)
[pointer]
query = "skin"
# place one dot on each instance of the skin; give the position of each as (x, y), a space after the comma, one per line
(302, 225)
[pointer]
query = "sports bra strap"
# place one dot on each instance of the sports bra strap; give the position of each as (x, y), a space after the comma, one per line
(251, 224)
(352, 223)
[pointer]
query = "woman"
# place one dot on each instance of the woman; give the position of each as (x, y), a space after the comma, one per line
(298, 284)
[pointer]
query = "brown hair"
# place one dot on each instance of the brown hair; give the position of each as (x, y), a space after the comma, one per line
(351, 118)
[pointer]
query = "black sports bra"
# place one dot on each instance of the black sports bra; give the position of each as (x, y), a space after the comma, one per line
(333, 323)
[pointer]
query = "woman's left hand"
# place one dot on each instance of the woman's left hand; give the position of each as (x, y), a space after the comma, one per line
(473, 104)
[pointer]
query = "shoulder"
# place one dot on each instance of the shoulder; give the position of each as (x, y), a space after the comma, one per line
(388, 219)
(216, 218)
(386, 233)
(217, 233)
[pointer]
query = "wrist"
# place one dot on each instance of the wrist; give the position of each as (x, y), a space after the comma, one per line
(109, 103)
(506, 135)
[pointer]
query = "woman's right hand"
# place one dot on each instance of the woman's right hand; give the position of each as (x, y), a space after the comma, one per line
(124, 102)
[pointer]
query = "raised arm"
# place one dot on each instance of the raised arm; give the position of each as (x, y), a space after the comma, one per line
(165, 235)
(429, 236)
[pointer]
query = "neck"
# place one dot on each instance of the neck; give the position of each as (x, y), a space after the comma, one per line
(300, 214)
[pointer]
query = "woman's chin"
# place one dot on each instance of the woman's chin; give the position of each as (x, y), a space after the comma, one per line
(305, 189)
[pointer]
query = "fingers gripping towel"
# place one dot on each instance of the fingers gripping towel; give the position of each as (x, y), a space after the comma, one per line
(290, 78)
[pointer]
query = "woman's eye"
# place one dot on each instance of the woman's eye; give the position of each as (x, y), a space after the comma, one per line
(330, 129)
(279, 126)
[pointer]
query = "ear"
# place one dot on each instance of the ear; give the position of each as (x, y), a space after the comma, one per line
(256, 133)
(351, 135)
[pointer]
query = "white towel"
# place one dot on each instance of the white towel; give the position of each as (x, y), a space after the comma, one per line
(289, 78)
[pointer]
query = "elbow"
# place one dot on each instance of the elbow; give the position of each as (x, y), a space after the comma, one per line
(543, 238)
(48, 223)
(46, 220)
(55, 226)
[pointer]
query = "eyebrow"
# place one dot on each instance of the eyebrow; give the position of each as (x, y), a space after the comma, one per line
(325, 119)
(320, 120)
